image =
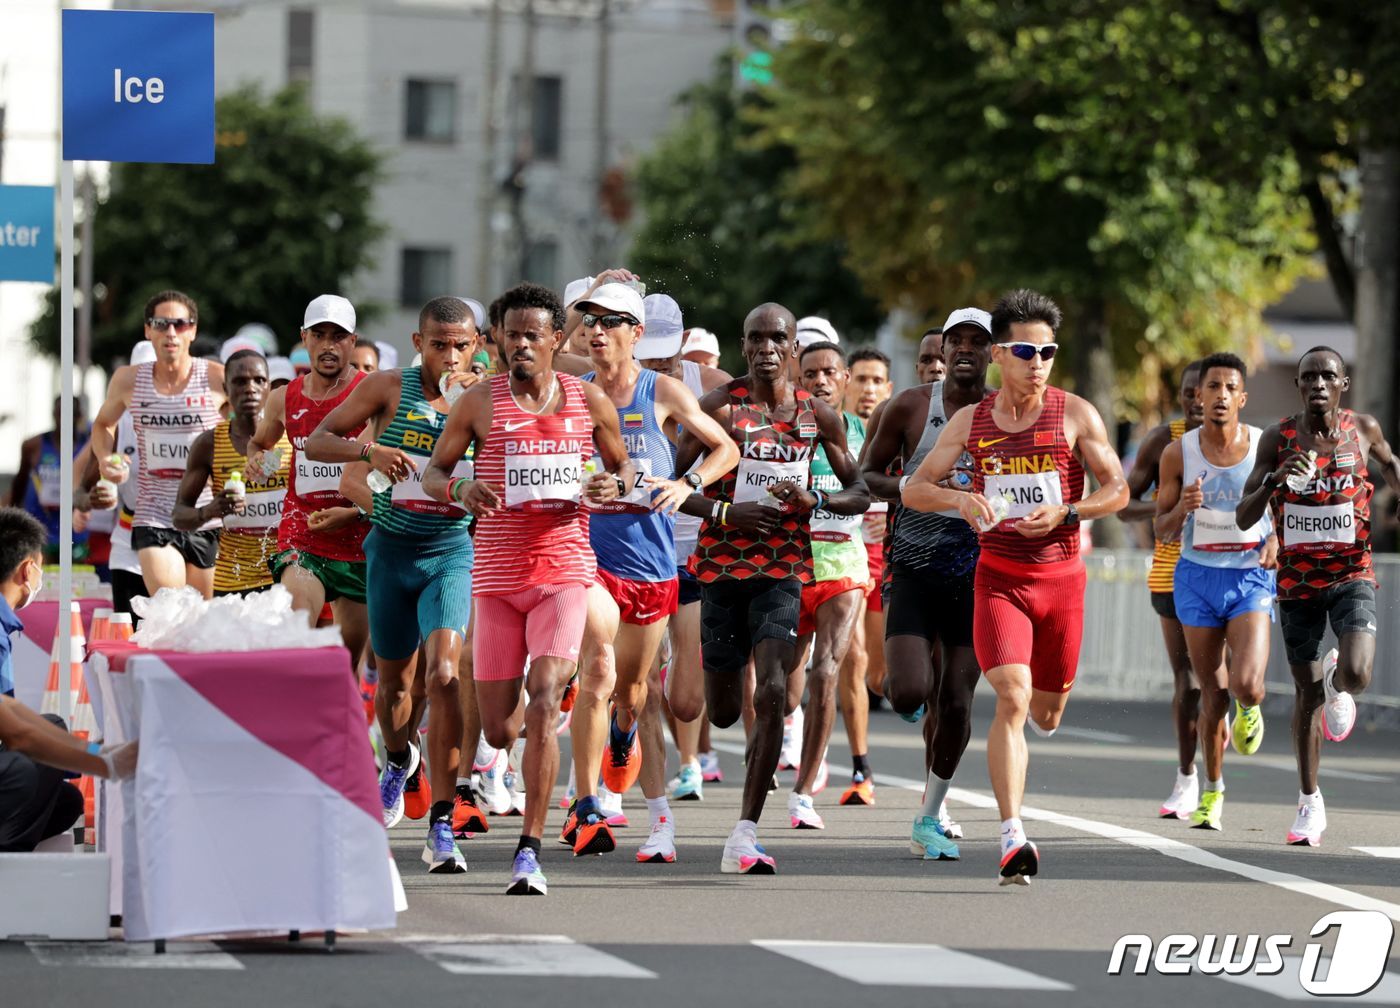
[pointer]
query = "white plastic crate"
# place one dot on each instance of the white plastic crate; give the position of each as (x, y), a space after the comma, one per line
(59, 896)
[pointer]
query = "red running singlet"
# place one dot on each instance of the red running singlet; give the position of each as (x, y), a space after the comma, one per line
(314, 486)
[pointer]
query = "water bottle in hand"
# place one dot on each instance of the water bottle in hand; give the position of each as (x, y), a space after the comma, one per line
(450, 392)
(1001, 507)
(235, 487)
(1298, 481)
(378, 482)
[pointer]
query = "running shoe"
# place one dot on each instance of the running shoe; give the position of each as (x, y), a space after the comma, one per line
(1248, 730)
(417, 792)
(661, 845)
(467, 817)
(491, 787)
(1018, 865)
(790, 757)
(802, 814)
(622, 761)
(1339, 710)
(592, 835)
(1184, 798)
(743, 856)
(709, 768)
(1207, 814)
(391, 782)
(610, 802)
(526, 879)
(950, 827)
(570, 830)
(931, 841)
(512, 778)
(823, 777)
(566, 704)
(1312, 820)
(917, 716)
(441, 853)
(861, 792)
(689, 784)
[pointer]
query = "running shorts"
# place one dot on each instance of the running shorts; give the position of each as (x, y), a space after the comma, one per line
(818, 594)
(1164, 604)
(1213, 596)
(340, 578)
(1350, 607)
(875, 559)
(641, 602)
(1030, 614)
(544, 621)
(688, 590)
(928, 605)
(736, 615)
(416, 585)
(199, 549)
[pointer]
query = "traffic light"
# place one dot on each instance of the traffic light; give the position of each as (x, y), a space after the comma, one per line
(757, 31)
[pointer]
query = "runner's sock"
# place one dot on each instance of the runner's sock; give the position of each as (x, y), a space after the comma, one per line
(1309, 799)
(1215, 785)
(861, 765)
(440, 810)
(746, 826)
(1042, 732)
(623, 739)
(658, 809)
(533, 842)
(586, 804)
(399, 758)
(935, 793)
(1012, 835)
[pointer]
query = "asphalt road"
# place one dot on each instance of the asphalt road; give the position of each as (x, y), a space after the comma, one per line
(851, 916)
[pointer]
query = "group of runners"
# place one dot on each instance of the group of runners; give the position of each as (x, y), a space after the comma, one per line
(555, 512)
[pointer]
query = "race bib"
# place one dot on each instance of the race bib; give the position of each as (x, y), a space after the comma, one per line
(318, 479)
(1318, 529)
(1024, 493)
(262, 512)
(544, 482)
(408, 494)
(1216, 532)
(167, 452)
(638, 501)
(50, 485)
(828, 527)
(755, 476)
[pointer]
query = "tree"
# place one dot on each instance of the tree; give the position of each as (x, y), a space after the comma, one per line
(283, 214)
(721, 234)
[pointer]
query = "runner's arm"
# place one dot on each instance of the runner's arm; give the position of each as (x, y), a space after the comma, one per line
(682, 407)
(27, 453)
(215, 377)
(459, 430)
(188, 515)
(923, 492)
(272, 427)
(854, 496)
(575, 317)
(871, 426)
(1094, 449)
(1380, 449)
(607, 438)
(1172, 497)
(354, 487)
(885, 444)
(714, 404)
(572, 363)
(104, 425)
(1143, 475)
(1263, 480)
(366, 402)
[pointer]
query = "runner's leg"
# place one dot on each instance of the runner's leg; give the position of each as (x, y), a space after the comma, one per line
(163, 567)
(443, 649)
(588, 729)
(836, 622)
(353, 619)
(1186, 695)
(1206, 646)
(308, 594)
(201, 579)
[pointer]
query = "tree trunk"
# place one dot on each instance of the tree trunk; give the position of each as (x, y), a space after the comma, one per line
(1095, 381)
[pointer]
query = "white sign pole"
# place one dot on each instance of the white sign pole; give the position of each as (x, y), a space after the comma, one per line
(65, 443)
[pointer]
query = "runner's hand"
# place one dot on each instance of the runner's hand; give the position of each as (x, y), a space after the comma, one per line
(392, 462)
(1041, 521)
(480, 497)
(792, 495)
(616, 275)
(330, 519)
(466, 379)
(225, 503)
(1192, 496)
(101, 498)
(601, 487)
(1268, 554)
(753, 518)
(670, 494)
(80, 520)
(113, 473)
(975, 510)
(1294, 466)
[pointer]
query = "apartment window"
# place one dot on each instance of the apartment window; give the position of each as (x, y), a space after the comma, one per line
(301, 30)
(542, 262)
(424, 273)
(430, 111)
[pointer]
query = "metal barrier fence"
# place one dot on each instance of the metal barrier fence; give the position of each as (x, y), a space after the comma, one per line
(1123, 657)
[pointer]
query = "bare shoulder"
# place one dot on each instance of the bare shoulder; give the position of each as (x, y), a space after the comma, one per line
(712, 378)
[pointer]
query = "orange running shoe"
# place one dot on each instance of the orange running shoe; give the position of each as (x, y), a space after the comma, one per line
(570, 693)
(417, 792)
(861, 792)
(467, 817)
(570, 831)
(622, 763)
(593, 835)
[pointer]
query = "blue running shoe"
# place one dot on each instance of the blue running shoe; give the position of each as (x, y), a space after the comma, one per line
(391, 781)
(931, 842)
(917, 716)
(526, 879)
(441, 853)
(689, 784)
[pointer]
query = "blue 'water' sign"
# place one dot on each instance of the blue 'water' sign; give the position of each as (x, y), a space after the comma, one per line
(138, 86)
(26, 233)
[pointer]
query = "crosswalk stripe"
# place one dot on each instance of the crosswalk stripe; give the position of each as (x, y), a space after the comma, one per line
(1285, 985)
(135, 955)
(1385, 852)
(888, 965)
(523, 955)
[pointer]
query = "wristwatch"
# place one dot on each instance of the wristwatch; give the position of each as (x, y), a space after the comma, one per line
(621, 486)
(1071, 515)
(695, 480)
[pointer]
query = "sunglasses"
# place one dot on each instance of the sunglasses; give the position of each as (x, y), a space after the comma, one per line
(178, 324)
(1027, 351)
(607, 321)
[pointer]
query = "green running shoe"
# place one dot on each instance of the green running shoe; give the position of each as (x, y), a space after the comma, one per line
(1248, 730)
(1207, 814)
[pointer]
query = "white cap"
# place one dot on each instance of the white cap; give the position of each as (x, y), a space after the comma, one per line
(330, 308)
(259, 334)
(577, 289)
(388, 355)
(975, 316)
(237, 343)
(143, 352)
(702, 340)
(619, 298)
(815, 329)
(280, 369)
(478, 312)
(662, 336)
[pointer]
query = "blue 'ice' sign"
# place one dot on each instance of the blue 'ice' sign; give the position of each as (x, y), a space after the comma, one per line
(138, 86)
(26, 233)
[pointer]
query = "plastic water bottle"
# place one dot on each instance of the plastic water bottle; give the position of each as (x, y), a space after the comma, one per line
(272, 461)
(378, 482)
(1001, 507)
(450, 392)
(235, 486)
(1298, 482)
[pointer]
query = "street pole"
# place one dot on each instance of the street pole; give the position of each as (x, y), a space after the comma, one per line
(486, 184)
(65, 440)
(600, 125)
(525, 142)
(85, 257)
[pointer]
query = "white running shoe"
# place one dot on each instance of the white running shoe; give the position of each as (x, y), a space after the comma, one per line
(661, 845)
(1312, 820)
(1339, 710)
(1184, 798)
(515, 778)
(610, 804)
(709, 768)
(743, 856)
(950, 828)
(790, 756)
(802, 814)
(823, 776)
(492, 788)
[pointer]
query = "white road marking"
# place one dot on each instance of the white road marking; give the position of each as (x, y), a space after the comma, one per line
(1385, 852)
(1093, 734)
(892, 965)
(522, 955)
(136, 955)
(1285, 985)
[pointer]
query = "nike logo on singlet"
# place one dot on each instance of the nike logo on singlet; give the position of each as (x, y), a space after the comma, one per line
(410, 415)
(986, 443)
(515, 425)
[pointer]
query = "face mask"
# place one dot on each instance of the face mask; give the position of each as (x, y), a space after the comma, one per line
(33, 592)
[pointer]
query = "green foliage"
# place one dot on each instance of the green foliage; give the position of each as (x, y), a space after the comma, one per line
(721, 235)
(281, 216)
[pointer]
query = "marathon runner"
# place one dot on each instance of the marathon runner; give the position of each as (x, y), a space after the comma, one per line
(634, 542)
(531, 431)
(172, 401)
(1224, 582)
(753, 557)
(38, 485)
(320, 543)
(418, 561)
(933, 558)
(833, 600)
(251, 513)
(1324, 562)
(365, 356)
(1186, 695)
(1029, 445)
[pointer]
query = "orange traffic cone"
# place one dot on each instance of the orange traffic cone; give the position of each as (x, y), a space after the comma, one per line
(119, 628)
(101, 623)
(85, 727)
